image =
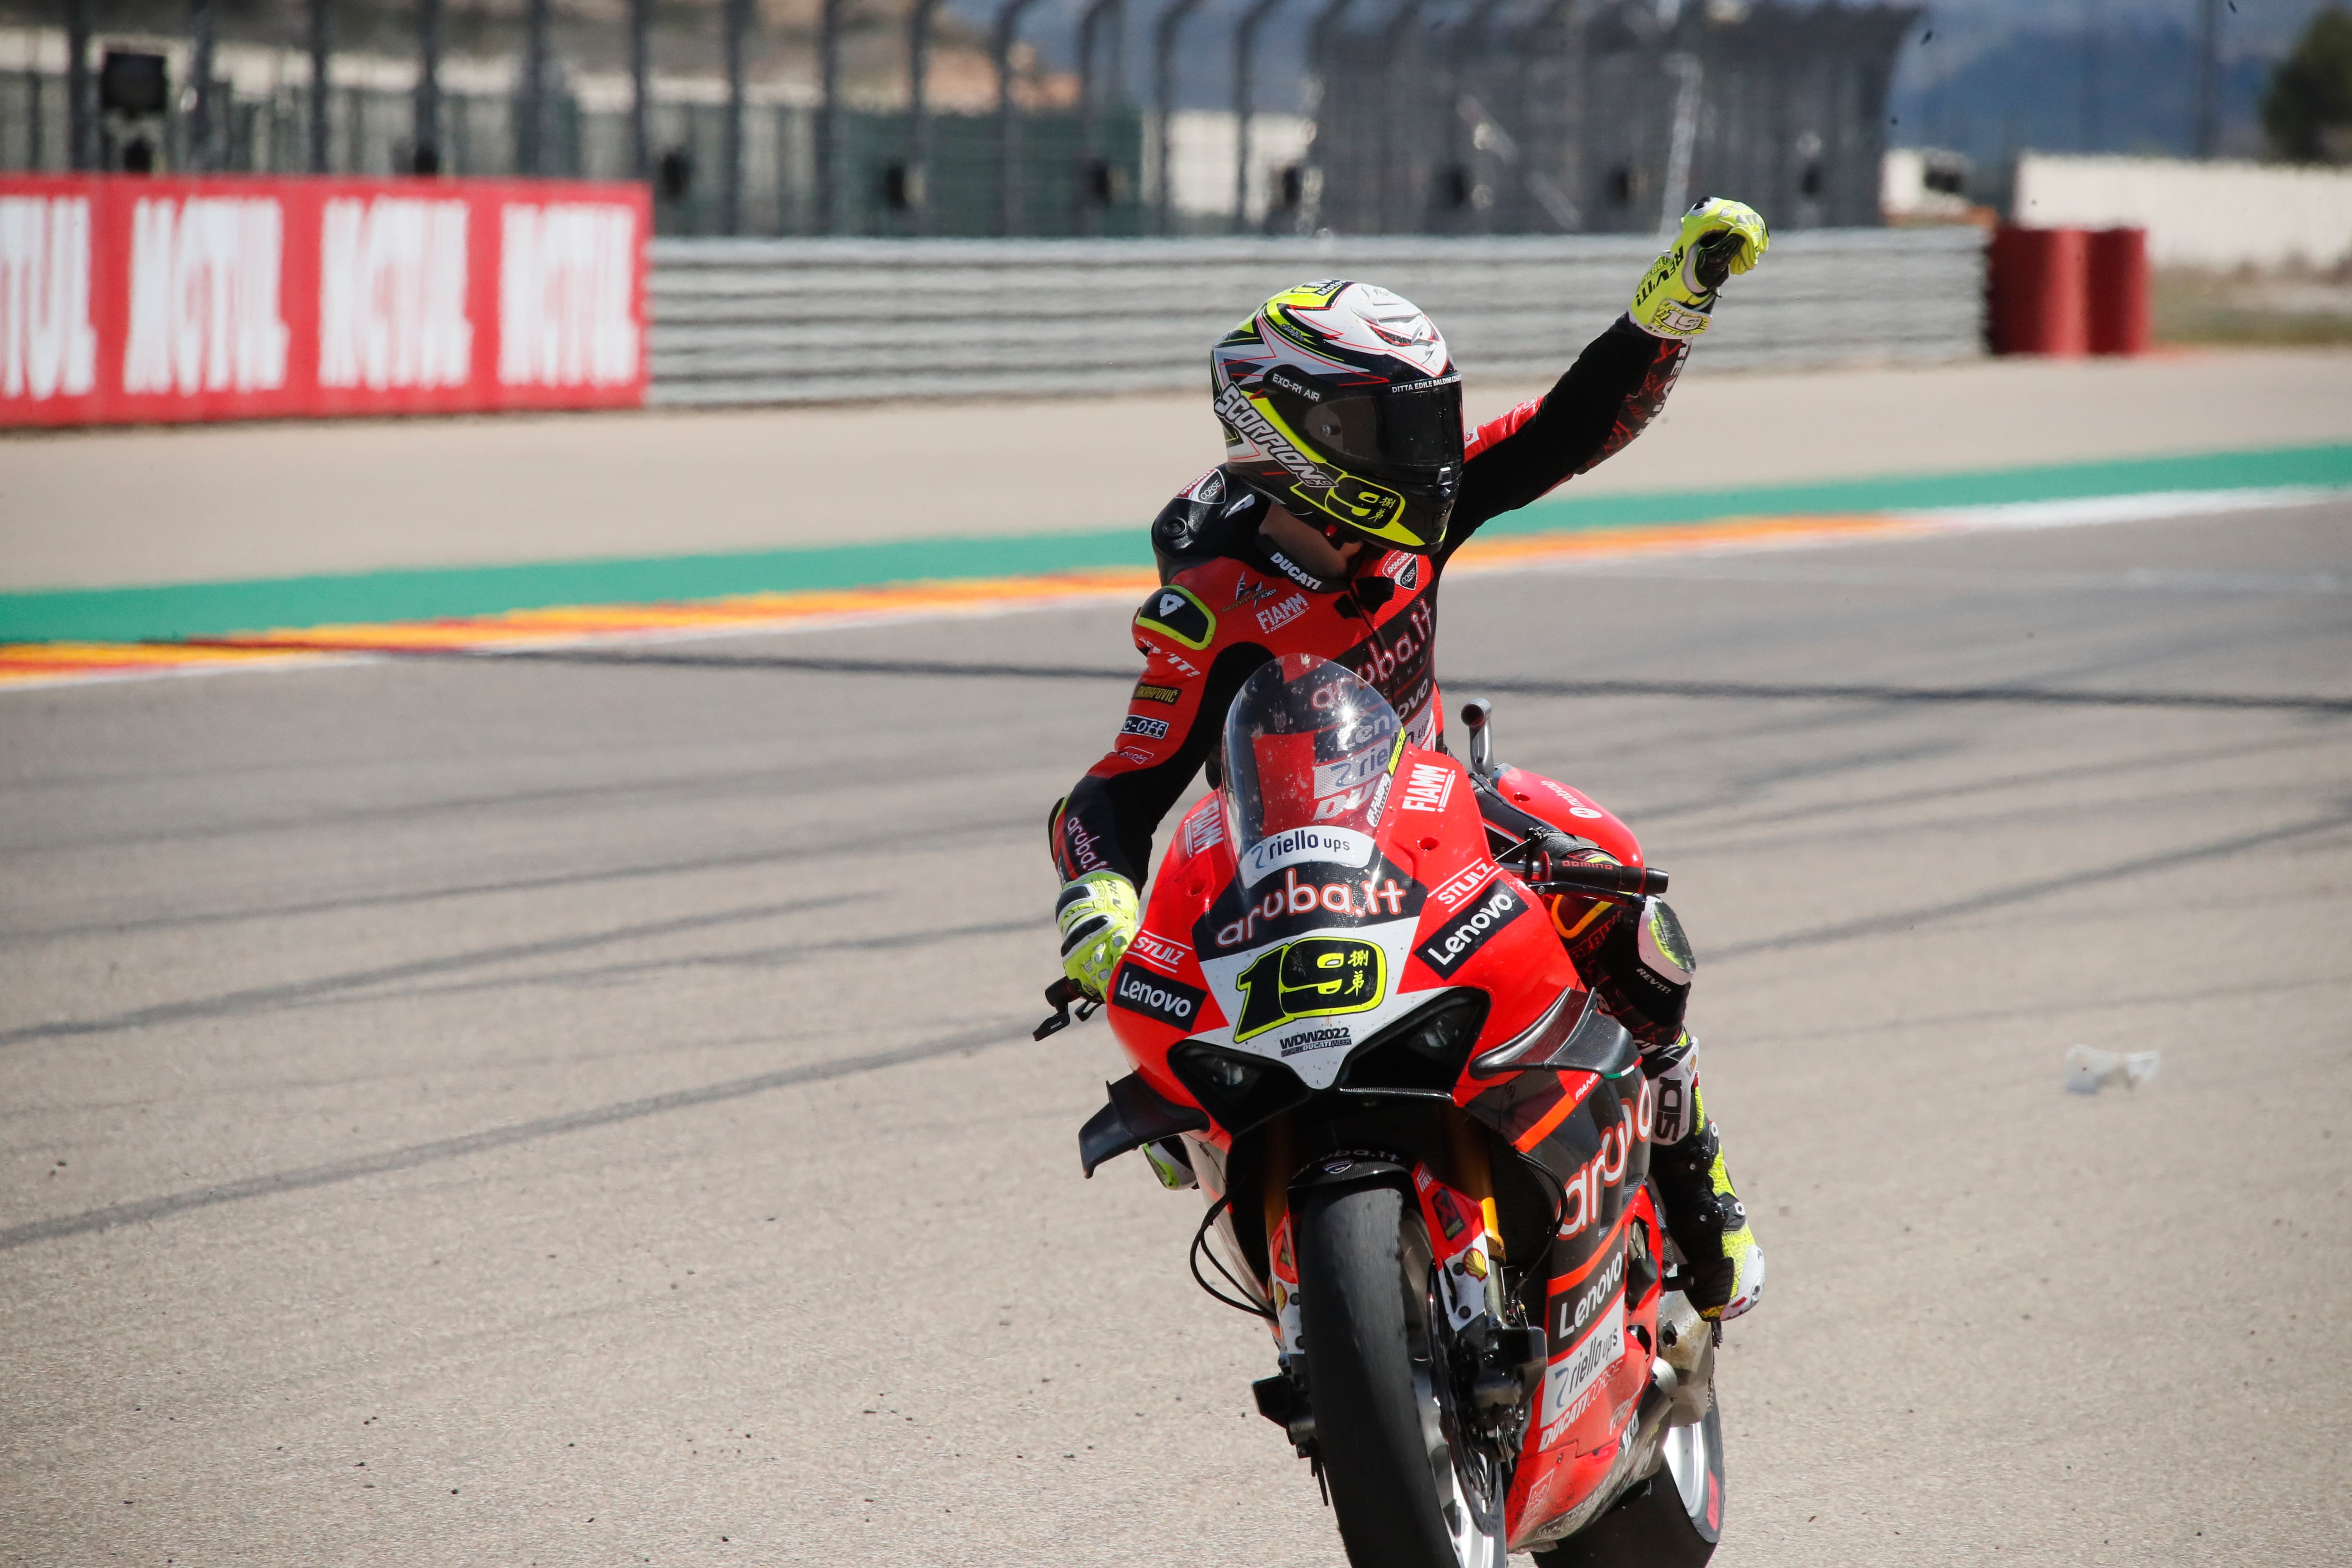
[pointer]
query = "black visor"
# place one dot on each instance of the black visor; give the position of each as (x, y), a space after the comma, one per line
(1389, 432)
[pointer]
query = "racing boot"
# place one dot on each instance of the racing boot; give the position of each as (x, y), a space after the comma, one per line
(1703, 1212)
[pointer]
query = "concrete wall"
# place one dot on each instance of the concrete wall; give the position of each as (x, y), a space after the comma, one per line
(2217, 215)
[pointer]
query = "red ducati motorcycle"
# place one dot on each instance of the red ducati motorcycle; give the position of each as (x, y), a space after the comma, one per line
(1424, 1149)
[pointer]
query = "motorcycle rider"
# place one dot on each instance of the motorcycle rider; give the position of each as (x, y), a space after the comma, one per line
(1347, 485)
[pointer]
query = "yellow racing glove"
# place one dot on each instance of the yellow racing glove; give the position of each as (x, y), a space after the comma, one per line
(1718, 238)
(1097, 914)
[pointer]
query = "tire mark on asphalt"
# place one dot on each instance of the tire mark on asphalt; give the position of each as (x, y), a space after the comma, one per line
(2063, 697)
(260, 997)
(990, 830)
(719, 784)
(1977, 787)
(415, 1154)
(1038, 924)
(2026, 892)
(1742, 691)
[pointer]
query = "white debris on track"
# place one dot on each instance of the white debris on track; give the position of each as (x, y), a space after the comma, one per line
(2089, 1071)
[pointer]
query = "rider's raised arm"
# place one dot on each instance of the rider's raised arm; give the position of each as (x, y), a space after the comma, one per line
(1171, 725)
(1615, 388)
(1619, 381)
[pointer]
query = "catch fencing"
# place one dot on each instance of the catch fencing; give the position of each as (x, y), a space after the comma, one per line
(743, 321)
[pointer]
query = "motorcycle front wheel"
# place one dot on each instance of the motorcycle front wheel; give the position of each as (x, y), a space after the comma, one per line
(1411, 1487)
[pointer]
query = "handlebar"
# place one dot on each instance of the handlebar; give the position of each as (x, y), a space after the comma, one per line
(1598, 881)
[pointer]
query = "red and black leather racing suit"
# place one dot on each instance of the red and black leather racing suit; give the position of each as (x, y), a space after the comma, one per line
(1230, 601)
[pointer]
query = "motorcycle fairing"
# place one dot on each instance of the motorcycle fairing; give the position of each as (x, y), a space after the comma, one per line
(1282, 1263)
(1584, 1114)
(1514, 790)
(1440, 914)
(1461, 1239)
(1577, 1458)
(1313, 1032)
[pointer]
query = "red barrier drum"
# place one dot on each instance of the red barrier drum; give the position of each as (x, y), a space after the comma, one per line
(2117, 281)
(2040, 296)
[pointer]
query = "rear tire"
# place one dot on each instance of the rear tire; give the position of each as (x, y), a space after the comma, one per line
(1409, 1491)
(1673, 1519)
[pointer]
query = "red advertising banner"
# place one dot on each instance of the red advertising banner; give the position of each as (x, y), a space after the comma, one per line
(125, 299)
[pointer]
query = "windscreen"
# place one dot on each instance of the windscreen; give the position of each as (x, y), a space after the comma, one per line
(1310, 752)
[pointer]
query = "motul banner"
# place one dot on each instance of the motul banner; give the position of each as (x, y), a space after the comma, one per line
(126, 299)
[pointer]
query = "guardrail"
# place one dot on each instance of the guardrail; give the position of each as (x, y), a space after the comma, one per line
(742, 321)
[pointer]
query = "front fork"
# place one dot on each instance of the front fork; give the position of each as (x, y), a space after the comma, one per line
(1498, 1364)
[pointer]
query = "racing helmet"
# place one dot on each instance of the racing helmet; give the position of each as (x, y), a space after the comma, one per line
(1340, 401)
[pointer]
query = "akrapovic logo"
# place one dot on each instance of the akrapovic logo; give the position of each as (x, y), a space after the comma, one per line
(1236, 409)
(1452, 947)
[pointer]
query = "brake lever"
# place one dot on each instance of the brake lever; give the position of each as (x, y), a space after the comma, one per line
(1535, 865)
(1059, 996)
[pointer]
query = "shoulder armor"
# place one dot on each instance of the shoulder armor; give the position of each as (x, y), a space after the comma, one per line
(1201, 523)
(1176, 613)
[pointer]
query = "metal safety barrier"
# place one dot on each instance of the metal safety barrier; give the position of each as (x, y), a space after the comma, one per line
(795, 321)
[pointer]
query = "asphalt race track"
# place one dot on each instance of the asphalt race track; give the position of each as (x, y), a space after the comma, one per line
(579, 1108)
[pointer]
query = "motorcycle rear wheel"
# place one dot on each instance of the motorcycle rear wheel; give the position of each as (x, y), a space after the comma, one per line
(1411, 1489)
(1671, 1521)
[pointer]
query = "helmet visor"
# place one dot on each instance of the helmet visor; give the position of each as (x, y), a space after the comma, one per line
(1398, 434)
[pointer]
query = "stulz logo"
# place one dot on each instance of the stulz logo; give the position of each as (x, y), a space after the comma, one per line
(1452, 948)
(1236, 409)
(1172, 1002)
(1275, 617)
(1450, 893)
(1430, 787)
(1158, 951)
